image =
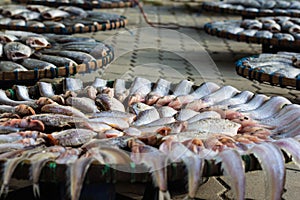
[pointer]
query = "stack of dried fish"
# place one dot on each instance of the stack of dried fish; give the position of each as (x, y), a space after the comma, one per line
(39, 16)
(155, 123)
(24, 51)
(284, 64)
(263, 7)
(279, 28)
(86, 4)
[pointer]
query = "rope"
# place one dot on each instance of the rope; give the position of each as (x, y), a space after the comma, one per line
(159, 24)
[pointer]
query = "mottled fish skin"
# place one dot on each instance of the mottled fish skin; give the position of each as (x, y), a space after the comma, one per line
(16, 51)
(275, 173)
(6, 38)
(74, 11)
(57, 60)
(146, 117)
(71, 137)
(31, 63)
(45, 89)
(252, 104)
(160, 89)
(176, 152)
(215, 125)
(84, 104)
(78, 57)
(233, 166)
(65, 110)
(22, 93)
(162, 121)
(269, 108)
(105, 102)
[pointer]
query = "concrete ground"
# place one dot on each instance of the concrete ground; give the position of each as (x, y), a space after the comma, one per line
(188, 53)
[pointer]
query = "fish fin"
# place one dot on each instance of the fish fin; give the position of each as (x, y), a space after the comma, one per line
(164, 195)
(36, 190)
(4, 190)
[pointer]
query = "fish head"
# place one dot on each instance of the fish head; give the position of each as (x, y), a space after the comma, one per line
(37, 42)
(16, 51)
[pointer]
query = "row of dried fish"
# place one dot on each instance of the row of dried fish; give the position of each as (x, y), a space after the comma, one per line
(44, 16)
(157, 123)
(280, 28)
(274, 6)
(285, 64)
(22, 51)
(79, 2)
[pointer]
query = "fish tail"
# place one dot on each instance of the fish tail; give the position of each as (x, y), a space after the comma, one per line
(36, 190)
(4, 190)
(164, 195)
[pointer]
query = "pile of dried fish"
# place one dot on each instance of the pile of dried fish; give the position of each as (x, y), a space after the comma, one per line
(279, 28)
(81, 3)
(284, 64)
(23, 51)
(257, 7)
(147, 123)
(46, 18)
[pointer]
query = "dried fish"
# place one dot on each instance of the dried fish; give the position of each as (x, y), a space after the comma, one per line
(105, 102)
(65, 110)
(16, 51)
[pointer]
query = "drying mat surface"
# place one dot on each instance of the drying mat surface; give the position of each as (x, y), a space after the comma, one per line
(28, 57)
(62, 20)
(235, 142)
(277, 31)
(281, 69)
(82, 4)
(254, 8)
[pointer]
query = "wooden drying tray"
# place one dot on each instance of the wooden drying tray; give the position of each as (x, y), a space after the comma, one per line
(213, 7)
(280, 44)
(262, 77)
(7, 79)
(87, 5)
(108, 25)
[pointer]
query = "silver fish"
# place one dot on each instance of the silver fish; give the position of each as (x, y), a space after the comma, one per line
(84, 104)
(37, 8)
(252, 104)
(71, 137)
(239, 98)
(162, 121)
(160, 89)
(54, 24)
(263, 34)
(176, 152)
(45, 89)
(204, 115)
(99, 82)
(28, 16)
(185, 114)
(6, 38)
(139, 90)
(118, 123)
(13, 10)
(74, 11)
(232, 165)
(35, 24)
(17, 22)
(146, 117)
(221, 94)
(54, 14)
(31, 63)
(105, 102)
(16, 50)
(5, 21)
(269, 108)
(72, 84)
(120, 91)
(78, 57)
(215, 125)
(138, 107)
(129, 117)
(275, 173)
(35, 41)
(155, 160)
(22, 92)
(205, 89)
(65, 110)
(7, 101)
(183, 88)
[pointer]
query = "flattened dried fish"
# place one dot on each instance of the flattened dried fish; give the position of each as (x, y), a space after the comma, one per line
(16, 51)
